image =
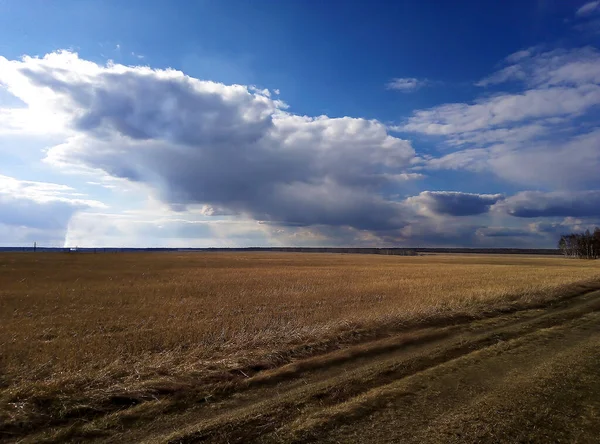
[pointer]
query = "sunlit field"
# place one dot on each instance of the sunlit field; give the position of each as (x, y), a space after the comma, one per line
(77, 328)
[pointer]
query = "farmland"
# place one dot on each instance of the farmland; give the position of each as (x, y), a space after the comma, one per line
(100, 345)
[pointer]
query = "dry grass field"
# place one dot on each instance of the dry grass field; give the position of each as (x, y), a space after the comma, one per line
(84, 336)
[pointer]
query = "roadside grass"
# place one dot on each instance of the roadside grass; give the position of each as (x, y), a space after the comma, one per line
(85, 334)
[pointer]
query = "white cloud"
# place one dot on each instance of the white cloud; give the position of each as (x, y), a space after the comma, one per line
(519, 55)
(504, 109)
(512, 72)
(545, 135)
(162, 229)
(570, 163)
(231, 166)
(469, 159)
(43, 192)
(502, 135)
(588, 8)
(37, 211)
(226, 146)
(552, 68)
(564, 164)
(406, 84)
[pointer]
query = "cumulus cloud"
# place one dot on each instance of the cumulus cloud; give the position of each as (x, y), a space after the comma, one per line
(36, 210)
(406, 84)
(230, 147)
(454, 203)
(233, 166)
(529, 204)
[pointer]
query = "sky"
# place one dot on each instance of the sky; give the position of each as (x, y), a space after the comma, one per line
(232, 123)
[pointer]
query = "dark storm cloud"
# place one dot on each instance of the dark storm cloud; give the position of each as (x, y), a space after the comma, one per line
(455, 203)
(529, 204)
(228, 146)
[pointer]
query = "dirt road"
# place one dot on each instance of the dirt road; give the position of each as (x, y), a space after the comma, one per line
(526, 376)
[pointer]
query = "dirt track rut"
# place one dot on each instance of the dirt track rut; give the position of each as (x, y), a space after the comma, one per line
(529, 375)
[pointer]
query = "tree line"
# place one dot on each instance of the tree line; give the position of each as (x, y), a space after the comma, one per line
(582, 245)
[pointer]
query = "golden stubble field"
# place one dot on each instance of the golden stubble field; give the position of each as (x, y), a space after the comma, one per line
(77, 328)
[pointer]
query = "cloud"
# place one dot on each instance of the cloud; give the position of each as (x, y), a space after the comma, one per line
(587, 19)
(231, 166)
(43, 192)
(37, 210)
(22, 212)
(568, 164)
(513, 135)
(512, 72)
(588, 8)
(572, 163)
(162, 229)
(470, 160)
(232, 147)
(454, 203)
(529, 204)
(558, 67)
(505, 109)
(503, 232)
(561, 83)
(438, 232)
(519, 55)
(406, 84)
(554, 229)
(545, 135)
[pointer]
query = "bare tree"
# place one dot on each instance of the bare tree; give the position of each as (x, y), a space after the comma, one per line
(581, 245)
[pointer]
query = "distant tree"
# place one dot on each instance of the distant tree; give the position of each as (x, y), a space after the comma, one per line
(596, 243)
(581, 245)
(562, 245)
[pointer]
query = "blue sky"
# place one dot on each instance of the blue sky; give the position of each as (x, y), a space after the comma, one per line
(235, 123)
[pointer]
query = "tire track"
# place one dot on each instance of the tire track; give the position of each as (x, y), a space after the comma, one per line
(254, 420)
(257, 407)
(541, 387)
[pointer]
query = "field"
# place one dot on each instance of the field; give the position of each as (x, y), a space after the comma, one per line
(193, 346)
